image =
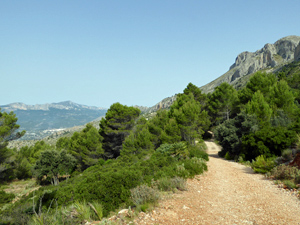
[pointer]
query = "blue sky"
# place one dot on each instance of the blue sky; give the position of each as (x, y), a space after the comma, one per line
(133, 52)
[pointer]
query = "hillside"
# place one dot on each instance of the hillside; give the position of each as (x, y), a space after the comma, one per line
(42, 120)
(268, 58)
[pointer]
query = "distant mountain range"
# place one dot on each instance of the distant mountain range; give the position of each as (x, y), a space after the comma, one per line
(42, 120)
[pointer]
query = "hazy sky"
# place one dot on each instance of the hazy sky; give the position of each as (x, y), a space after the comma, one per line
(97, 52)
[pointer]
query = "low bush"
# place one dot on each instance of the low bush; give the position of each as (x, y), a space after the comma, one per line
(195, 166)
(6, 197)
(178, 150)
(144, 207)
(262, 164)
(143, 194)
(165, 184)
(171, 184)
(179, 183)
(88, 211)
(289, 184)
(285, 172)
(197, 151)
(227, 156)
(287, 154)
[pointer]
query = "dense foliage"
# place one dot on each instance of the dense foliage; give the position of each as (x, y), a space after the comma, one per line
(85, 146)
(129, 154)
(53, 163)
(267, 122)
(8, 132)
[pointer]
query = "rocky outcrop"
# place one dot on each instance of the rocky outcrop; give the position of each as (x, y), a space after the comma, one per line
(296, 161)
(297, 53)
(270, 56)
(164, 104)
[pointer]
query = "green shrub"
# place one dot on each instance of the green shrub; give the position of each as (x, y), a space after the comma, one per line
(83, 211)
(263, 165)
(170, 184)
(179, 183)
(144, 194)
(289, 184)
(195, 166)
(196, 151)
(240, 159)
(284, 172)
(178, 150)
(98, 210)
(59, 216)
(6, 197)
(181, 171)
(227, 156)
(86, 211)
(144, 207)
(165, 184)
(287, 154)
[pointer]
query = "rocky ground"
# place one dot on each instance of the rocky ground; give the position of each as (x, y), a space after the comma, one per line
(229, 193)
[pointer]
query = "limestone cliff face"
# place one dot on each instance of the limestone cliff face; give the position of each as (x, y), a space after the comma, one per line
(270, 56)
(297, 53)
(164, 104)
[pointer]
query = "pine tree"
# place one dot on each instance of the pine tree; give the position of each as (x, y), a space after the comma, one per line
(116, 126)
(260, 108)
(259, 81)
(191, 119)
(8, 128)
(198, 95)
(223, 103)
(86, 147)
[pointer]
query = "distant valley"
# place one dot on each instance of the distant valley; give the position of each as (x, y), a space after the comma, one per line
(43, 120)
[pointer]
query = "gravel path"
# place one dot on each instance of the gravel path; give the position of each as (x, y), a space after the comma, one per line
(229, 193)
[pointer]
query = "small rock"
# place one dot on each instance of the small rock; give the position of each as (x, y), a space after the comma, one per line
(123, 211)
(112, 218)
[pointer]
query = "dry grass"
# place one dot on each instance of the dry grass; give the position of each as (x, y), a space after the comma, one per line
(20, 188)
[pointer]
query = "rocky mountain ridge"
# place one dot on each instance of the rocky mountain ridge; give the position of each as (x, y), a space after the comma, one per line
(67, 105)
(268, 58)
(163, 104)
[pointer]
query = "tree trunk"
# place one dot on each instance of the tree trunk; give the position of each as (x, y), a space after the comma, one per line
(55, 180)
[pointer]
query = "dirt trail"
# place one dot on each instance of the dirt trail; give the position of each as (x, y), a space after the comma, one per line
(229, 193)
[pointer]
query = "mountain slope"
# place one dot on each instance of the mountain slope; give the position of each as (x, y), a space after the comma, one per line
(270, 57)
